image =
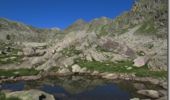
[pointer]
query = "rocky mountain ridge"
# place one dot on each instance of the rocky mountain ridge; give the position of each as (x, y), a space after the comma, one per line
(138, 36)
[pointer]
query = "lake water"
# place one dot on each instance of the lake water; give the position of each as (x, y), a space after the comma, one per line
(78, 88)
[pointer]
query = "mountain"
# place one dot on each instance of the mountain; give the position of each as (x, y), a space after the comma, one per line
(24, 33)
(136, 35)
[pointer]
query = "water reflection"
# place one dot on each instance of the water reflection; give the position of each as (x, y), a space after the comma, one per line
(77, 88)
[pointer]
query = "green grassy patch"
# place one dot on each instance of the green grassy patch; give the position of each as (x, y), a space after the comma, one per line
(121, 31)
(147, 28)
(71, 51)
(10, 57)
(121, 67)
(3, 97)
(18, 72)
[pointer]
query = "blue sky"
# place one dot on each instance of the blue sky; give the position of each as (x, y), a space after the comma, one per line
(60, 13)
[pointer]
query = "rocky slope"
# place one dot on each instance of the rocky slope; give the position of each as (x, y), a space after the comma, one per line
(138, 36)
(20, 32)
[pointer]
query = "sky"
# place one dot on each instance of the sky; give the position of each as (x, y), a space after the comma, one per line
(60, 13)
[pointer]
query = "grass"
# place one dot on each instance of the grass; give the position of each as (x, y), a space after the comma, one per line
(121, 67)
(71, 51)
(18, 72)
(10, 57)
(147, 28)
(3, 97)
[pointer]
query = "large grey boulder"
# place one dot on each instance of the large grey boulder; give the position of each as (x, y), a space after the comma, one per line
(30, 95)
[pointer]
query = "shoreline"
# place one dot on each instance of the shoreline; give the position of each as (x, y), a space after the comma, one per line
(105, 75)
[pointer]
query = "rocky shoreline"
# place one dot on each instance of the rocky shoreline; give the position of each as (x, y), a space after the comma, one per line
(155, 94)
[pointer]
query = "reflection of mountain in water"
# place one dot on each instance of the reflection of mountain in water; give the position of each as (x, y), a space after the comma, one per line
(79, 88)
(72, 84)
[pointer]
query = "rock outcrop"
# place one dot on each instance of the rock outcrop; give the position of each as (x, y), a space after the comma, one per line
(31, 95)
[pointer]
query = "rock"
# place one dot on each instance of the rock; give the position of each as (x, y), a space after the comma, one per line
(39, 52)
(110, 76)
(16, 73)
(128, 68)
(63, 71)
(140, 61)
(118, 57)
(28, 51)
(164, 85)
(88, 57)
(139, 86)
(158, 62)
(130, 53)
(77, 69)
(92, 54)
(95, 73)
(30, 77)
(31, 95)
(163, 92)
(12, 58)
(66, 62)
(150, 93)
(20, 53)
(109, 45)
(163, 98)
(135, 99)
(37, 61)
(153, 80)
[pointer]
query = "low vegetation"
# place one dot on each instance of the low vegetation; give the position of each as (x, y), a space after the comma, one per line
(18, 72)
(121, 67)
(71, 51)
(3, 97)
(147, 28)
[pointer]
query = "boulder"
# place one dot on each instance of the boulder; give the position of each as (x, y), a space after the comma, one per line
(164, 85)
(77, 69)
(39, 52)
(28, 51)
(98, 56)
(37, 61)
(110, 76)
(149, 93)
(20, 53)
(30, 77)
(140, 61)
(64, 71)
(163, 92)
(158, 62)
(139, 86)
(31, 95)
(88, 57)
(135, 99)
(66, 62)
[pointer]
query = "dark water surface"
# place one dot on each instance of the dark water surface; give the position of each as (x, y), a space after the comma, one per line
(78, 88)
